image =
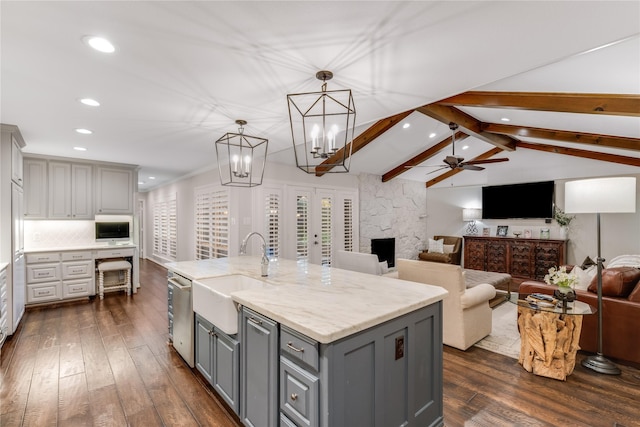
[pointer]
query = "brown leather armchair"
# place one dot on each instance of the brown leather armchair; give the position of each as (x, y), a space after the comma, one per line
(448, 258)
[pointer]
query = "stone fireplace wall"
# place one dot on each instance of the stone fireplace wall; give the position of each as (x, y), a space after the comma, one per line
(393, 209)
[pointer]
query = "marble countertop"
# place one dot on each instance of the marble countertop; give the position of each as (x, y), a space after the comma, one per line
(89, 246)
(324, 303)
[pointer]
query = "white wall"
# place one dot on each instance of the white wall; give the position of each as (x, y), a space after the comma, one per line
(620, 232)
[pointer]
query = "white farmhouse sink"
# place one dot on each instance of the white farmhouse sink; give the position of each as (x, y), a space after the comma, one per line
(212, 299)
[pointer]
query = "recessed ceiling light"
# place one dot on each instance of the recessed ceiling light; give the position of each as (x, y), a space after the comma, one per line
(84, 131)
(100, 44)
(464, 147)
(432, 135)
(79, 148)
(505, 119)
(406, 125)
(90, 102)
(152, 177)
(140, 182)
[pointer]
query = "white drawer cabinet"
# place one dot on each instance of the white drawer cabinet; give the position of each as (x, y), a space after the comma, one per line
(44, 292)
(38, 273)
(55, 276)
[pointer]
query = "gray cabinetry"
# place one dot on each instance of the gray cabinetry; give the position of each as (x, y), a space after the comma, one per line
(70, 190)
(217, 359)
(259, 370)
(388, 375)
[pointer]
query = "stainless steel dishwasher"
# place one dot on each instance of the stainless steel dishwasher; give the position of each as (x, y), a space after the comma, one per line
(181, 311)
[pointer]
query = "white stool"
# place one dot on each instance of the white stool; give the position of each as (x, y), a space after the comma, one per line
(115, 266)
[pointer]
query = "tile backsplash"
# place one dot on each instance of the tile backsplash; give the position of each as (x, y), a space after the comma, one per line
(64, 234)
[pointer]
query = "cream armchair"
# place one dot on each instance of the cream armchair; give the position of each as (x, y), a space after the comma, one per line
(358, 261)
(466, 312)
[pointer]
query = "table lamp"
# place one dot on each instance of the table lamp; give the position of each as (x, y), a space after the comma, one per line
(600, 195)
(470, 215)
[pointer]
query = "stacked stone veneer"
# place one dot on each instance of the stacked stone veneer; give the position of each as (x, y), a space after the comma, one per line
(393, 209)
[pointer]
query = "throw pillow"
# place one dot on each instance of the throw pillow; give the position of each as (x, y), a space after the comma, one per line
(448, 249)
(625, 261)
(584, 276)
(436, 246)
(588, 262)
(616, 281)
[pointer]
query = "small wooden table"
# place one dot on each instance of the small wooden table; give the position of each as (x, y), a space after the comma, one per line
(549, 335)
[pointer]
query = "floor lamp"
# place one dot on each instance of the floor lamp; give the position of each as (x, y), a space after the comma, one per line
(600, 195)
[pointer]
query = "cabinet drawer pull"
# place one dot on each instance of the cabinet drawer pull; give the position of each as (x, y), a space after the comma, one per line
(299, 350)
(254, 320)
(294, 396)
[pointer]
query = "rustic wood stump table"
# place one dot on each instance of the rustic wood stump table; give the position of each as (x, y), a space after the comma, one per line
(549, 335)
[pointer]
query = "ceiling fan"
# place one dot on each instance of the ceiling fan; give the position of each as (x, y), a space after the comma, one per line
(457, 162)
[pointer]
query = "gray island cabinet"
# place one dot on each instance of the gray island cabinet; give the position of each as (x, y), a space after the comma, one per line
(324, 347)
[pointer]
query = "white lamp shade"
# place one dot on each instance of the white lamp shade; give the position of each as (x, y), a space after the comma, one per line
(471, 214)
(600, 195)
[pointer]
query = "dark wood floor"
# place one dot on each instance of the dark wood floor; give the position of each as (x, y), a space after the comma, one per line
(108, 363)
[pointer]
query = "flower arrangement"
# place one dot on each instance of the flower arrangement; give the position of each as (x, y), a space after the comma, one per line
(561, 217)
(560, 278)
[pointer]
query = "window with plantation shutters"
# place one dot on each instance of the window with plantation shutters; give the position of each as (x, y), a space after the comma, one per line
(211, 223)
(326, 204)
(302, 227)
(165, 229)
(272, 210)
(347, 218)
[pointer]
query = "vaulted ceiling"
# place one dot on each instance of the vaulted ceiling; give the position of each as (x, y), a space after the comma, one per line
(508, 137)
(566, 75)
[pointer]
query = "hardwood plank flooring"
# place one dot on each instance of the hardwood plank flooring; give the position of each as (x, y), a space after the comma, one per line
(108, 363)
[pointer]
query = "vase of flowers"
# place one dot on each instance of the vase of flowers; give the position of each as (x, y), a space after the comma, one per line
(563, 221)
(563, 280)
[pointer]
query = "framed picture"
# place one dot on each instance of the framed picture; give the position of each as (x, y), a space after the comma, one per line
(527, 233)
(486, 232)
(544, 233)
(502, 230)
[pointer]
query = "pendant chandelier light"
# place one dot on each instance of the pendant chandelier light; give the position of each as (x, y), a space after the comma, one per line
(241, 158)
(322, 128)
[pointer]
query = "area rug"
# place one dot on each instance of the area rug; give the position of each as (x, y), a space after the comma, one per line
(504, 337)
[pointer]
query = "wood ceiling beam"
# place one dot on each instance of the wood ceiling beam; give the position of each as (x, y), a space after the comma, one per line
(605, 157)
(452, 172)
(471, 125)
(425, 155)
(361, 141)
(586, 103)
(566, 136)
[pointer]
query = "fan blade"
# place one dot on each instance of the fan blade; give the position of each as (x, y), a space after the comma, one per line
(468, 167)
(437, 170)
(422, 166)
(483, 162)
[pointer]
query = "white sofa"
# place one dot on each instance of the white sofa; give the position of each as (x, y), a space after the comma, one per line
(358, 261)
(466, 311)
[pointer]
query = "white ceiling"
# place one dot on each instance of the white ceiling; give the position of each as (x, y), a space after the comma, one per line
(183, 72)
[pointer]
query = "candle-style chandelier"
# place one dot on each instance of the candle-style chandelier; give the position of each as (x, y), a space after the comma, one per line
(241, 158)
(322, 128)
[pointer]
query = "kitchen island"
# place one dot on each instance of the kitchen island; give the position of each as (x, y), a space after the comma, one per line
(328, 347)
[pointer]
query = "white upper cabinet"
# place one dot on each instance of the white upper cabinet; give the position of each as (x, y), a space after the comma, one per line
(114, 191)
(70, 191)
(16, 162)
(35, 188)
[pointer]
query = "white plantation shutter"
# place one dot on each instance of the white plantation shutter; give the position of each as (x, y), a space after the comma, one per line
(347, 221)
(212, 223)
(326, 205)
(165, 229)
(302, 227)
(273, 211)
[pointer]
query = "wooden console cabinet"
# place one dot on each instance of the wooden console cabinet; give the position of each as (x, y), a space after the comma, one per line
(521, 258)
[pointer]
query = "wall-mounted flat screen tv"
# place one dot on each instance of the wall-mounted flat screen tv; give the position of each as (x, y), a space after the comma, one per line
(530, 200)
